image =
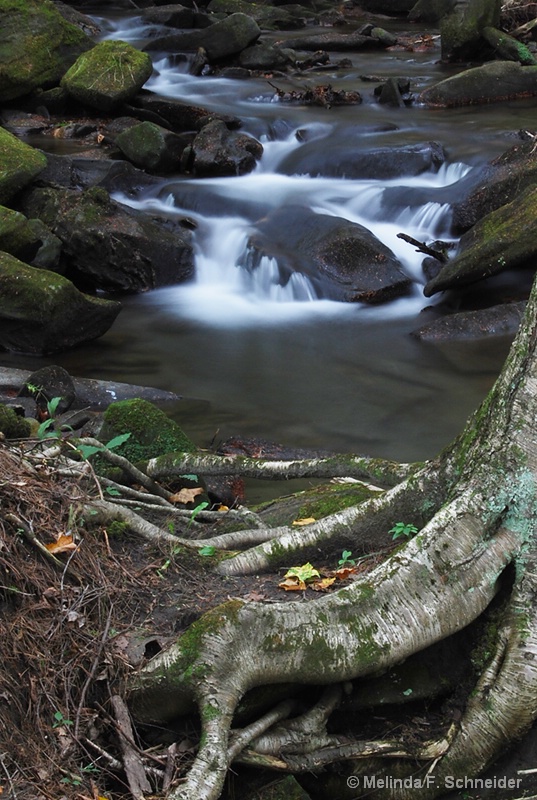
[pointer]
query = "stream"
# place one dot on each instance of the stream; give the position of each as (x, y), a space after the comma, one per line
(257, 358)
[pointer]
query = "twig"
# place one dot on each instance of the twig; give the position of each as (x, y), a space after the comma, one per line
(92, 671)
(423, 248)
(8, 776)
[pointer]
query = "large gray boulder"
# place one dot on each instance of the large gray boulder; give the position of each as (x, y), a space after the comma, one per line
(490, 83)
(461, 31)
(108, 75)
(343, 260)
(503, 240)
(20, 164)
(38, 46)
(42, 312)
(221, 40)
(108, 246)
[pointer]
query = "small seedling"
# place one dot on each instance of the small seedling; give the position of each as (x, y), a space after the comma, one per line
(197, 510)
(403, 529)
(208, 550)
(346, 560)
(60, 720)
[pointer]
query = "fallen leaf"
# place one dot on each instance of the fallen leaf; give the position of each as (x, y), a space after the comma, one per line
(222, 508)
(255, 597)
(343, 572)
(292, 584)
(306, 572)
(304, 521)
(322, 585)
(64, 544)
(186, 495)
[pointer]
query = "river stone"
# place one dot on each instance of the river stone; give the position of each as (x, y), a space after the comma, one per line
(47, 383)
(17, 235)
(176, 16)
(42, 312)
(344, 160)
(109, 74)
(266, 56)
(461, 31)
(153, 148)
(490, 83)
(499, 183)
(50, 247)
(108, 246)
(333, 41)
(179, 117)
(342, 259)
(500, 320)
(217, 151)
(394, 8)
(19, 165)
(38, 46)
(431, 10)
(503, 240)
(221, 40)
(507, 47)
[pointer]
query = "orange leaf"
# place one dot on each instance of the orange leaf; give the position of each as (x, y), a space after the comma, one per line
(64, 544)
(344, 572)
(322, 585)
(292, 584)
(304, 521)
(186, 495)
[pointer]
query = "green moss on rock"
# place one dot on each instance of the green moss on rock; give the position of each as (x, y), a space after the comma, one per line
(13, 426)
(109, 74)
(19, 164)
(152, 432)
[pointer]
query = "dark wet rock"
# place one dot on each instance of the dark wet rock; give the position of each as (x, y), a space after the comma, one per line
(500, 320)
(503, 240)
(333, 41)
(47, 383)
(431, 10)
(17, 235)
(221, 40)
(268, 17)
(499, 183)
(77, 172)
(266, 56)
(507, 47)
(153, 148)
(38, 46)
(20, 165)
(49, 247)
(219, 151)
(343, 260)
(175, 16)
(179, 117)
(461, 31)
(110, 74)
(490, 83)
(41, 312)
(395, 92)
(111, 247)
(342, 159)
(394, 8)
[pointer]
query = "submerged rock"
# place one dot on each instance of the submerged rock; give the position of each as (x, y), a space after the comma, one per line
(500, 320)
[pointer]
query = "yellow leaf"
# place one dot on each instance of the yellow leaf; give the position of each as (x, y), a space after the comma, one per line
(186, 495)
(322, 585)
(304, 521)
(222, 508)
(63, 544)
(292, 584)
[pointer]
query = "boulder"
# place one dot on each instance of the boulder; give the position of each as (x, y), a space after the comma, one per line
(152, 147)
(461, 31)
(42, 312)
(175, 16)
(391, 8)
(265, 56)
(221, 40)
(431, 10)
(267, 16)
(499, 183)
(17, 235)
(50, 247)
(38, 46)
(333, 41)
(179, 117)
(108, 246)
(20, 165)
(507, 47)
(500, 320)
(490, 83)
(108, 75)
(505, 239)
(217, 151)
(343, 260)
(344, 160)
(47, 383)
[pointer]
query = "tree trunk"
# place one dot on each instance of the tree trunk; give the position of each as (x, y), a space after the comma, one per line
(476, 505)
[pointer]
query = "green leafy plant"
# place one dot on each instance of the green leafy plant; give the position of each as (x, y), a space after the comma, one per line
(87, 450)
(196, 511)
(46, 429)
(60, 720)
(208, 550)
(346, 560)
(403, 529)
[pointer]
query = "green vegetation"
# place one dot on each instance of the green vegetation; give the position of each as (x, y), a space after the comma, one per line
(403, 529)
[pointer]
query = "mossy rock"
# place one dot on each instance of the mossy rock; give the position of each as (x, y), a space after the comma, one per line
(17, 236)
(461, 31)
(504, 239)
(19, 165)
(42, 312)
(152, 433)
(109, 74)
(38, 45)
(13, 426)
(152, 147)
(490, 83)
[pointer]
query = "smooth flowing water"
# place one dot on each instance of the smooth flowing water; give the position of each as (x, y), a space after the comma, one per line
(275, 361)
